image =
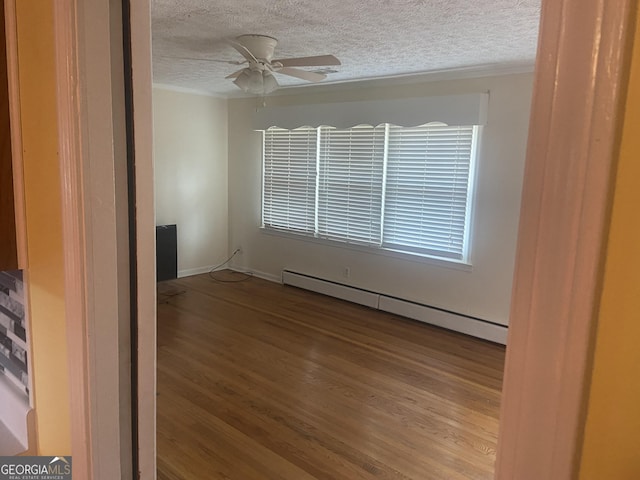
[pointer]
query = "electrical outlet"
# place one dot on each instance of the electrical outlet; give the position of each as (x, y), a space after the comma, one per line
(238, 250)
(346, 272)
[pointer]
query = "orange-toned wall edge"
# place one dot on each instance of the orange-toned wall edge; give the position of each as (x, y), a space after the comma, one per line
(45, 275)
(612, 433)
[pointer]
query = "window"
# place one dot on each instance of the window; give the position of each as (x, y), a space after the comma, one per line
(390, 187)
(351, 165)
(289, 179)
(427, 189)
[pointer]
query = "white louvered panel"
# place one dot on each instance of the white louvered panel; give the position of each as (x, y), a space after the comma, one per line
(350, 184)
(427, 185)
(289, 179)
(393, 187)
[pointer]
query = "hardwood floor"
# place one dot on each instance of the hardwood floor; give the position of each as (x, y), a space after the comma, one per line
(261, 381)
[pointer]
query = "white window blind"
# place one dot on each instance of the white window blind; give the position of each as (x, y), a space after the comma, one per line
(399, 188)
(351, 165)
(289, 179)
(427, 188)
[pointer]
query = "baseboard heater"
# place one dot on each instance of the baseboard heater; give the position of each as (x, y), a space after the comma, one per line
(450, 320)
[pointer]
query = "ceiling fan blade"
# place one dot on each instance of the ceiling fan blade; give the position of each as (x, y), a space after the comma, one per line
(303, 74)
(244, 51)
(236, 74)
(317, 61)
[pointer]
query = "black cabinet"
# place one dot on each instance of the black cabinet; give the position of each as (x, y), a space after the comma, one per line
(166, 252)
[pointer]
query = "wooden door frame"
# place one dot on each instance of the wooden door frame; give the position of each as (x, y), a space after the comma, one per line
(86, 123)
(580, 77)
(74, 228)
(580, 83)
(146, 231)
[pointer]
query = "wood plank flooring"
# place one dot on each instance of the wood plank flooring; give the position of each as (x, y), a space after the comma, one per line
(257, 381)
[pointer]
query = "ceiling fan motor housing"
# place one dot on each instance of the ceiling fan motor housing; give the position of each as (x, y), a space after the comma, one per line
(261, 46)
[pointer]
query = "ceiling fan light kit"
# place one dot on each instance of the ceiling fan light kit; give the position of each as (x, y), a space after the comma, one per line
(258, 78)
(256, 82)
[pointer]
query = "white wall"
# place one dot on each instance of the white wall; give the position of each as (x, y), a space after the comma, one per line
(482, 291)
(190, 155)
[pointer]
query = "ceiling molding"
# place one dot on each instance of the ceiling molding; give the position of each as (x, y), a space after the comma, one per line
(191, 91)
(482, 71)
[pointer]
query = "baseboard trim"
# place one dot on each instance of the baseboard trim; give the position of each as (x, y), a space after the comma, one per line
(194, 271)
(424, 313)
(332, 289)
(451, 321)
(257, 273)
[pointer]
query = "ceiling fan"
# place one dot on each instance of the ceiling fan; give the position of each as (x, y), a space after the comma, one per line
(258, 79)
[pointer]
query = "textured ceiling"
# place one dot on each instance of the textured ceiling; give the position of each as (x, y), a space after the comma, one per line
(373, 39)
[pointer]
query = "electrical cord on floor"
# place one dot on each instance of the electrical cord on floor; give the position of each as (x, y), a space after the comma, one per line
(217, 268)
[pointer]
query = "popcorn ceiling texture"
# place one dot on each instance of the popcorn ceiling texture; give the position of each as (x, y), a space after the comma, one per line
(374, 38)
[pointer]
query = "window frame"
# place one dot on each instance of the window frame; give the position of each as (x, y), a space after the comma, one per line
(405, 252)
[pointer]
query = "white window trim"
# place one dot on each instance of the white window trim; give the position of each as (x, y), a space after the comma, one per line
(471, 192)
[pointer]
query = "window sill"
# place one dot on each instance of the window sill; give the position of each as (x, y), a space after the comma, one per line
(397, 254)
